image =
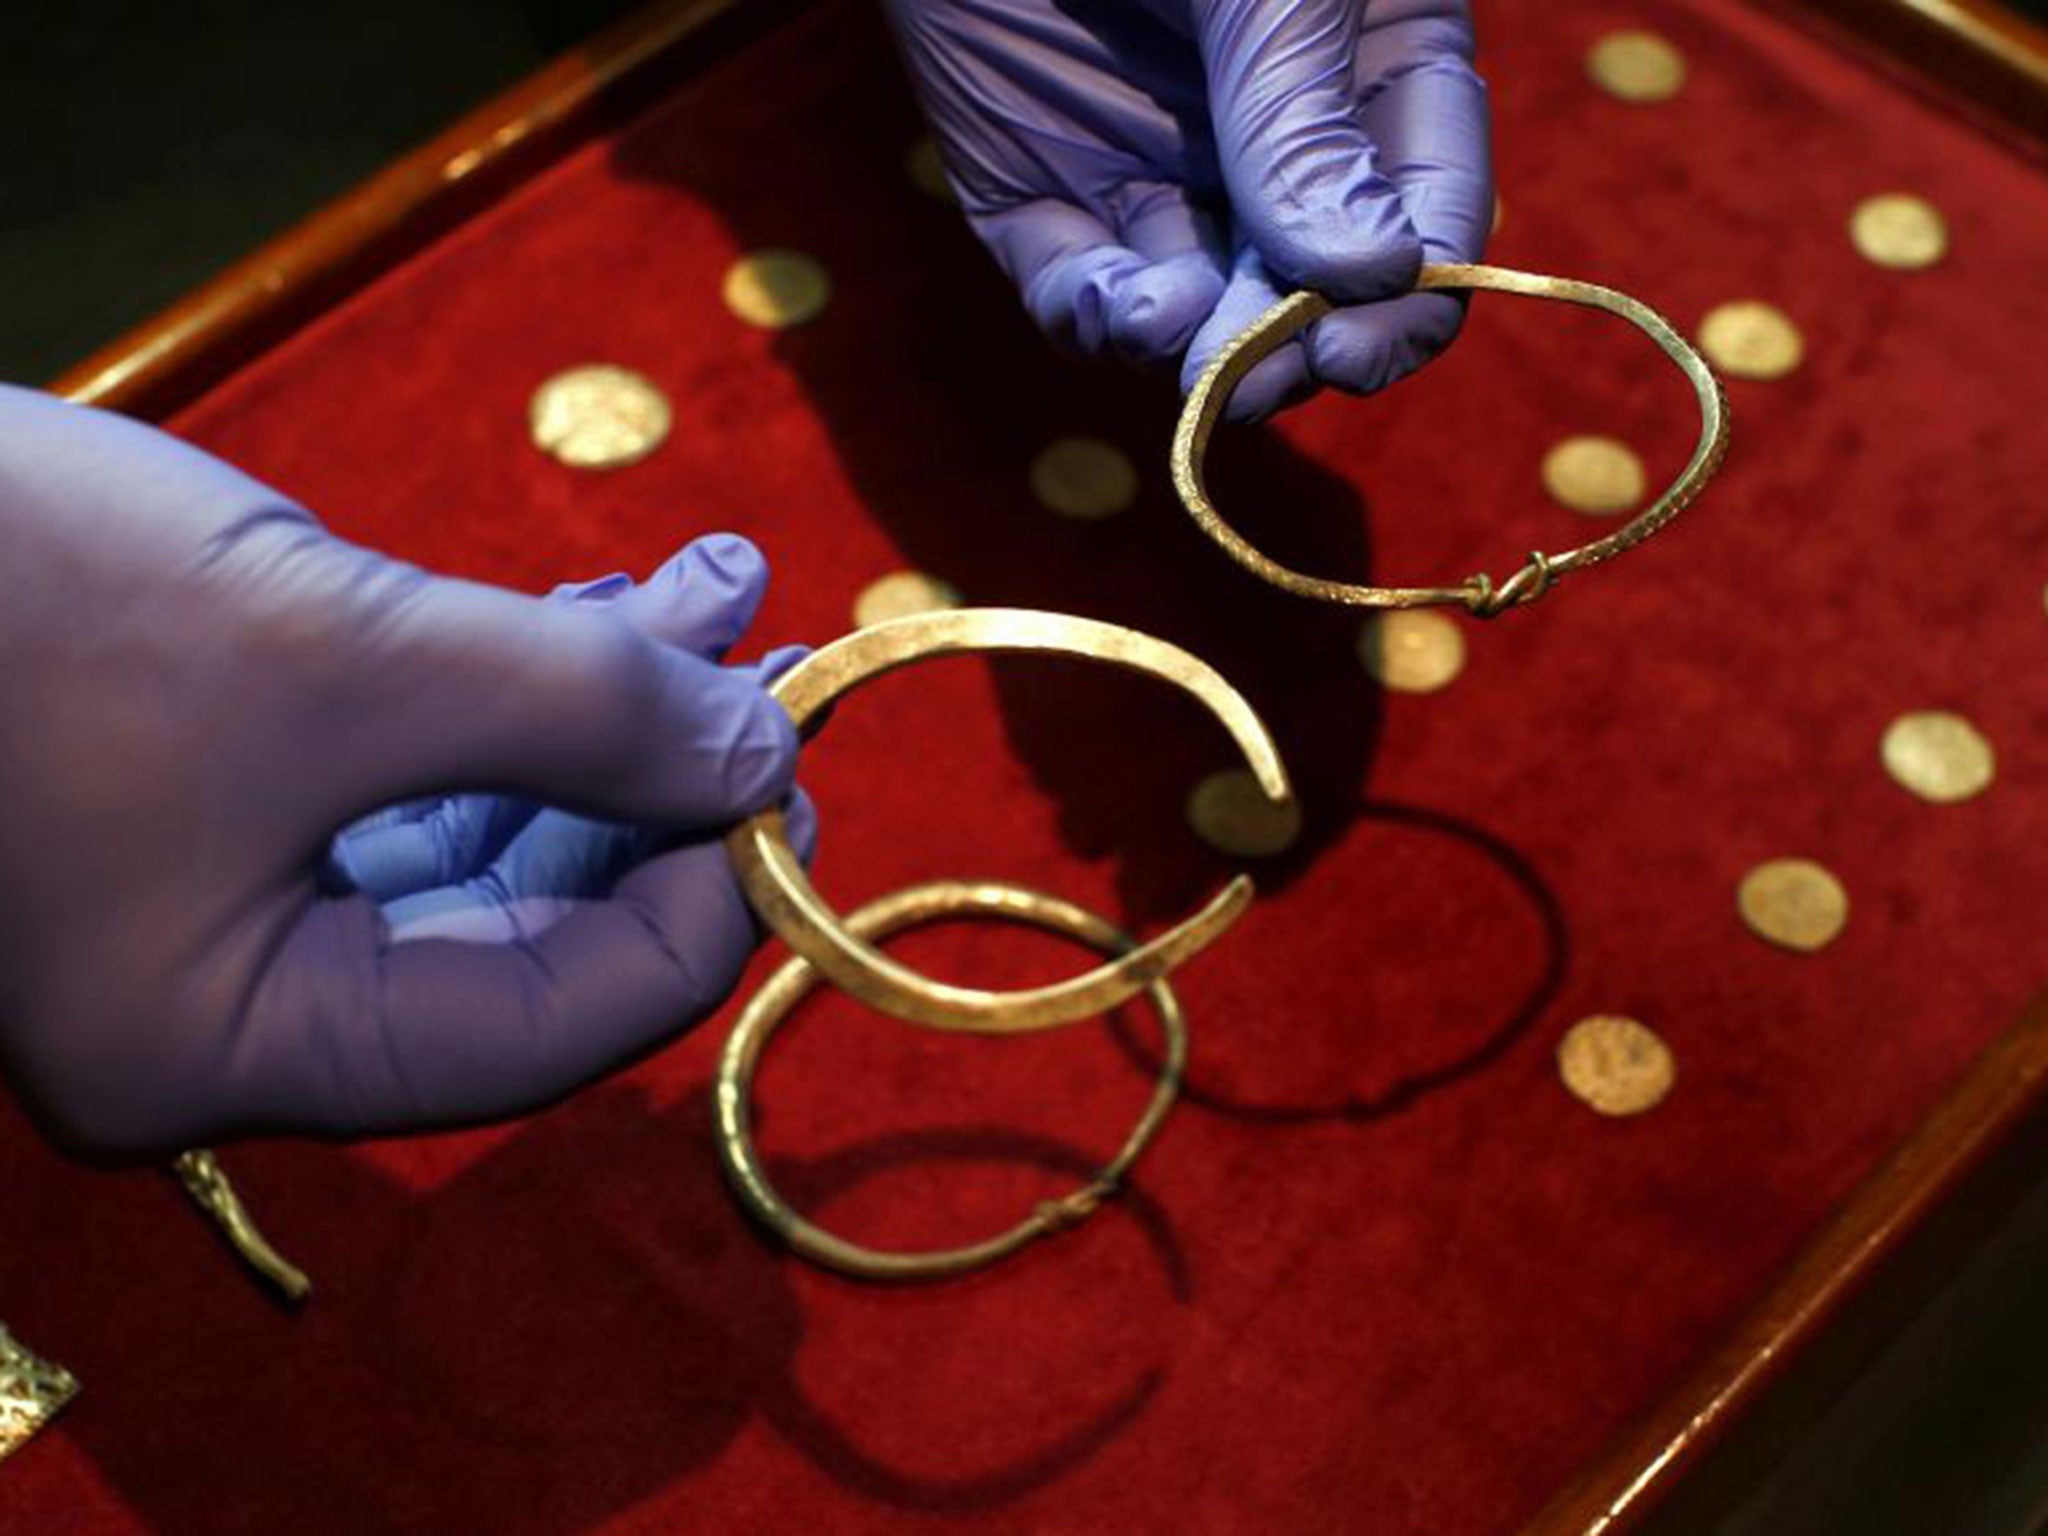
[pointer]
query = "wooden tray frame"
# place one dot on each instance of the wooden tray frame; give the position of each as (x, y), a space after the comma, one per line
(1688, 1456)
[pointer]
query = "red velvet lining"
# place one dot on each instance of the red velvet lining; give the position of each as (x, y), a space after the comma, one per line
(1382, 1274)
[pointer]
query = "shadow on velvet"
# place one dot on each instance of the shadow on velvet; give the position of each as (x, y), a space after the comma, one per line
(576, 1321)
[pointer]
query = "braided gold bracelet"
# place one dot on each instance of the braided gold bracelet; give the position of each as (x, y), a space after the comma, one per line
(1480, 594)
(769, 1006)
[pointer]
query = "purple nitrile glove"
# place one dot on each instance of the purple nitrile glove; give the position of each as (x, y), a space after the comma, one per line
(199, 685)
(1153, 173)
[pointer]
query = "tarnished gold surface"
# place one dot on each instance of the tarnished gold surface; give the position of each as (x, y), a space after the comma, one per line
(598, 417)
(1412, 651)
(1749, 339)
(900, 594)
(1636, 66)
(1084, 478)
(208, 1185)
(1598, 476)
(1939, 756)
(766, 1009)
(1231, 813)
(32, 1391)
(1796, 904)
(782, 894)
(926, 168)
(1615, 1064)
(1897, 229)
(776, 289)
(1480, 594)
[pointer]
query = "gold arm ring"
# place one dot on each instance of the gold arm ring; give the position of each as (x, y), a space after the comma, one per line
(782, 894)
(788, 986)
(1479, 594)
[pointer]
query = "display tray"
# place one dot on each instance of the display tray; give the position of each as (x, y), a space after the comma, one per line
(1381, 1271)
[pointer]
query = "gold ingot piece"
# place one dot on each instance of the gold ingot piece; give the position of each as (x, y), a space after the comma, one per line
(926, 168)
(1615, 1064)
(1939, 756)
(1230, 811)
(1636, 66)
(598, 416)
(1479, 595)
(782, 894)
(211, 1190)
(1597, 476)
(1750, 339)
(1795, 904)
(1085, 478)
(900, 594)
(767, 1008)
(1899, 230)
(775, 289)
(32, 1392)
(1411, 651)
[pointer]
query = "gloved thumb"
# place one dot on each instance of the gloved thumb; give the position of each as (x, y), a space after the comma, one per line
(468, 687)
(1305, 181)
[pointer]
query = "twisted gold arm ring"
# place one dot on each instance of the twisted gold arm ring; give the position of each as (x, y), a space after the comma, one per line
(1479, 594)
(767, 1008)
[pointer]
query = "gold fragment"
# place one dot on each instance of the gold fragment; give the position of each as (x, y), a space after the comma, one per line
(926, 168)
(207, 1183)
(1230, 811)
(1899, 230)
(1938, 756)
(1084, 478)
(1480, 594)
(32, 1392)
(900, 594)
(767, 1008)
(598, 416)
(1598, 476)
(1411, 651)
(1750, 339)
(776, 289)
(1796, 904)
(1615, 1064)
(782, 894)
(1636, 66)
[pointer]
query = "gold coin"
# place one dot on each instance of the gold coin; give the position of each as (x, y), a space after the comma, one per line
(1411, 650)
(1615, 1064)
(1938, 756)
(1897, 229)
(1231, 814)
(926, 168)
(900, 594)
(1636, 66)
(1750, 339)
(1793, 903)
(1594, 475)
(598, 417)
(1083, 477)
(775, 289)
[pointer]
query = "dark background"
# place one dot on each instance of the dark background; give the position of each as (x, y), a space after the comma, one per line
(148, 144)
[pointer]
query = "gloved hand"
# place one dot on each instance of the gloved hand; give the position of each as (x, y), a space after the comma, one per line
(201, 685)
(1154, 173)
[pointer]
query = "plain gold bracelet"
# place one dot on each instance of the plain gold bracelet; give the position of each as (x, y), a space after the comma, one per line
(782, 894)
